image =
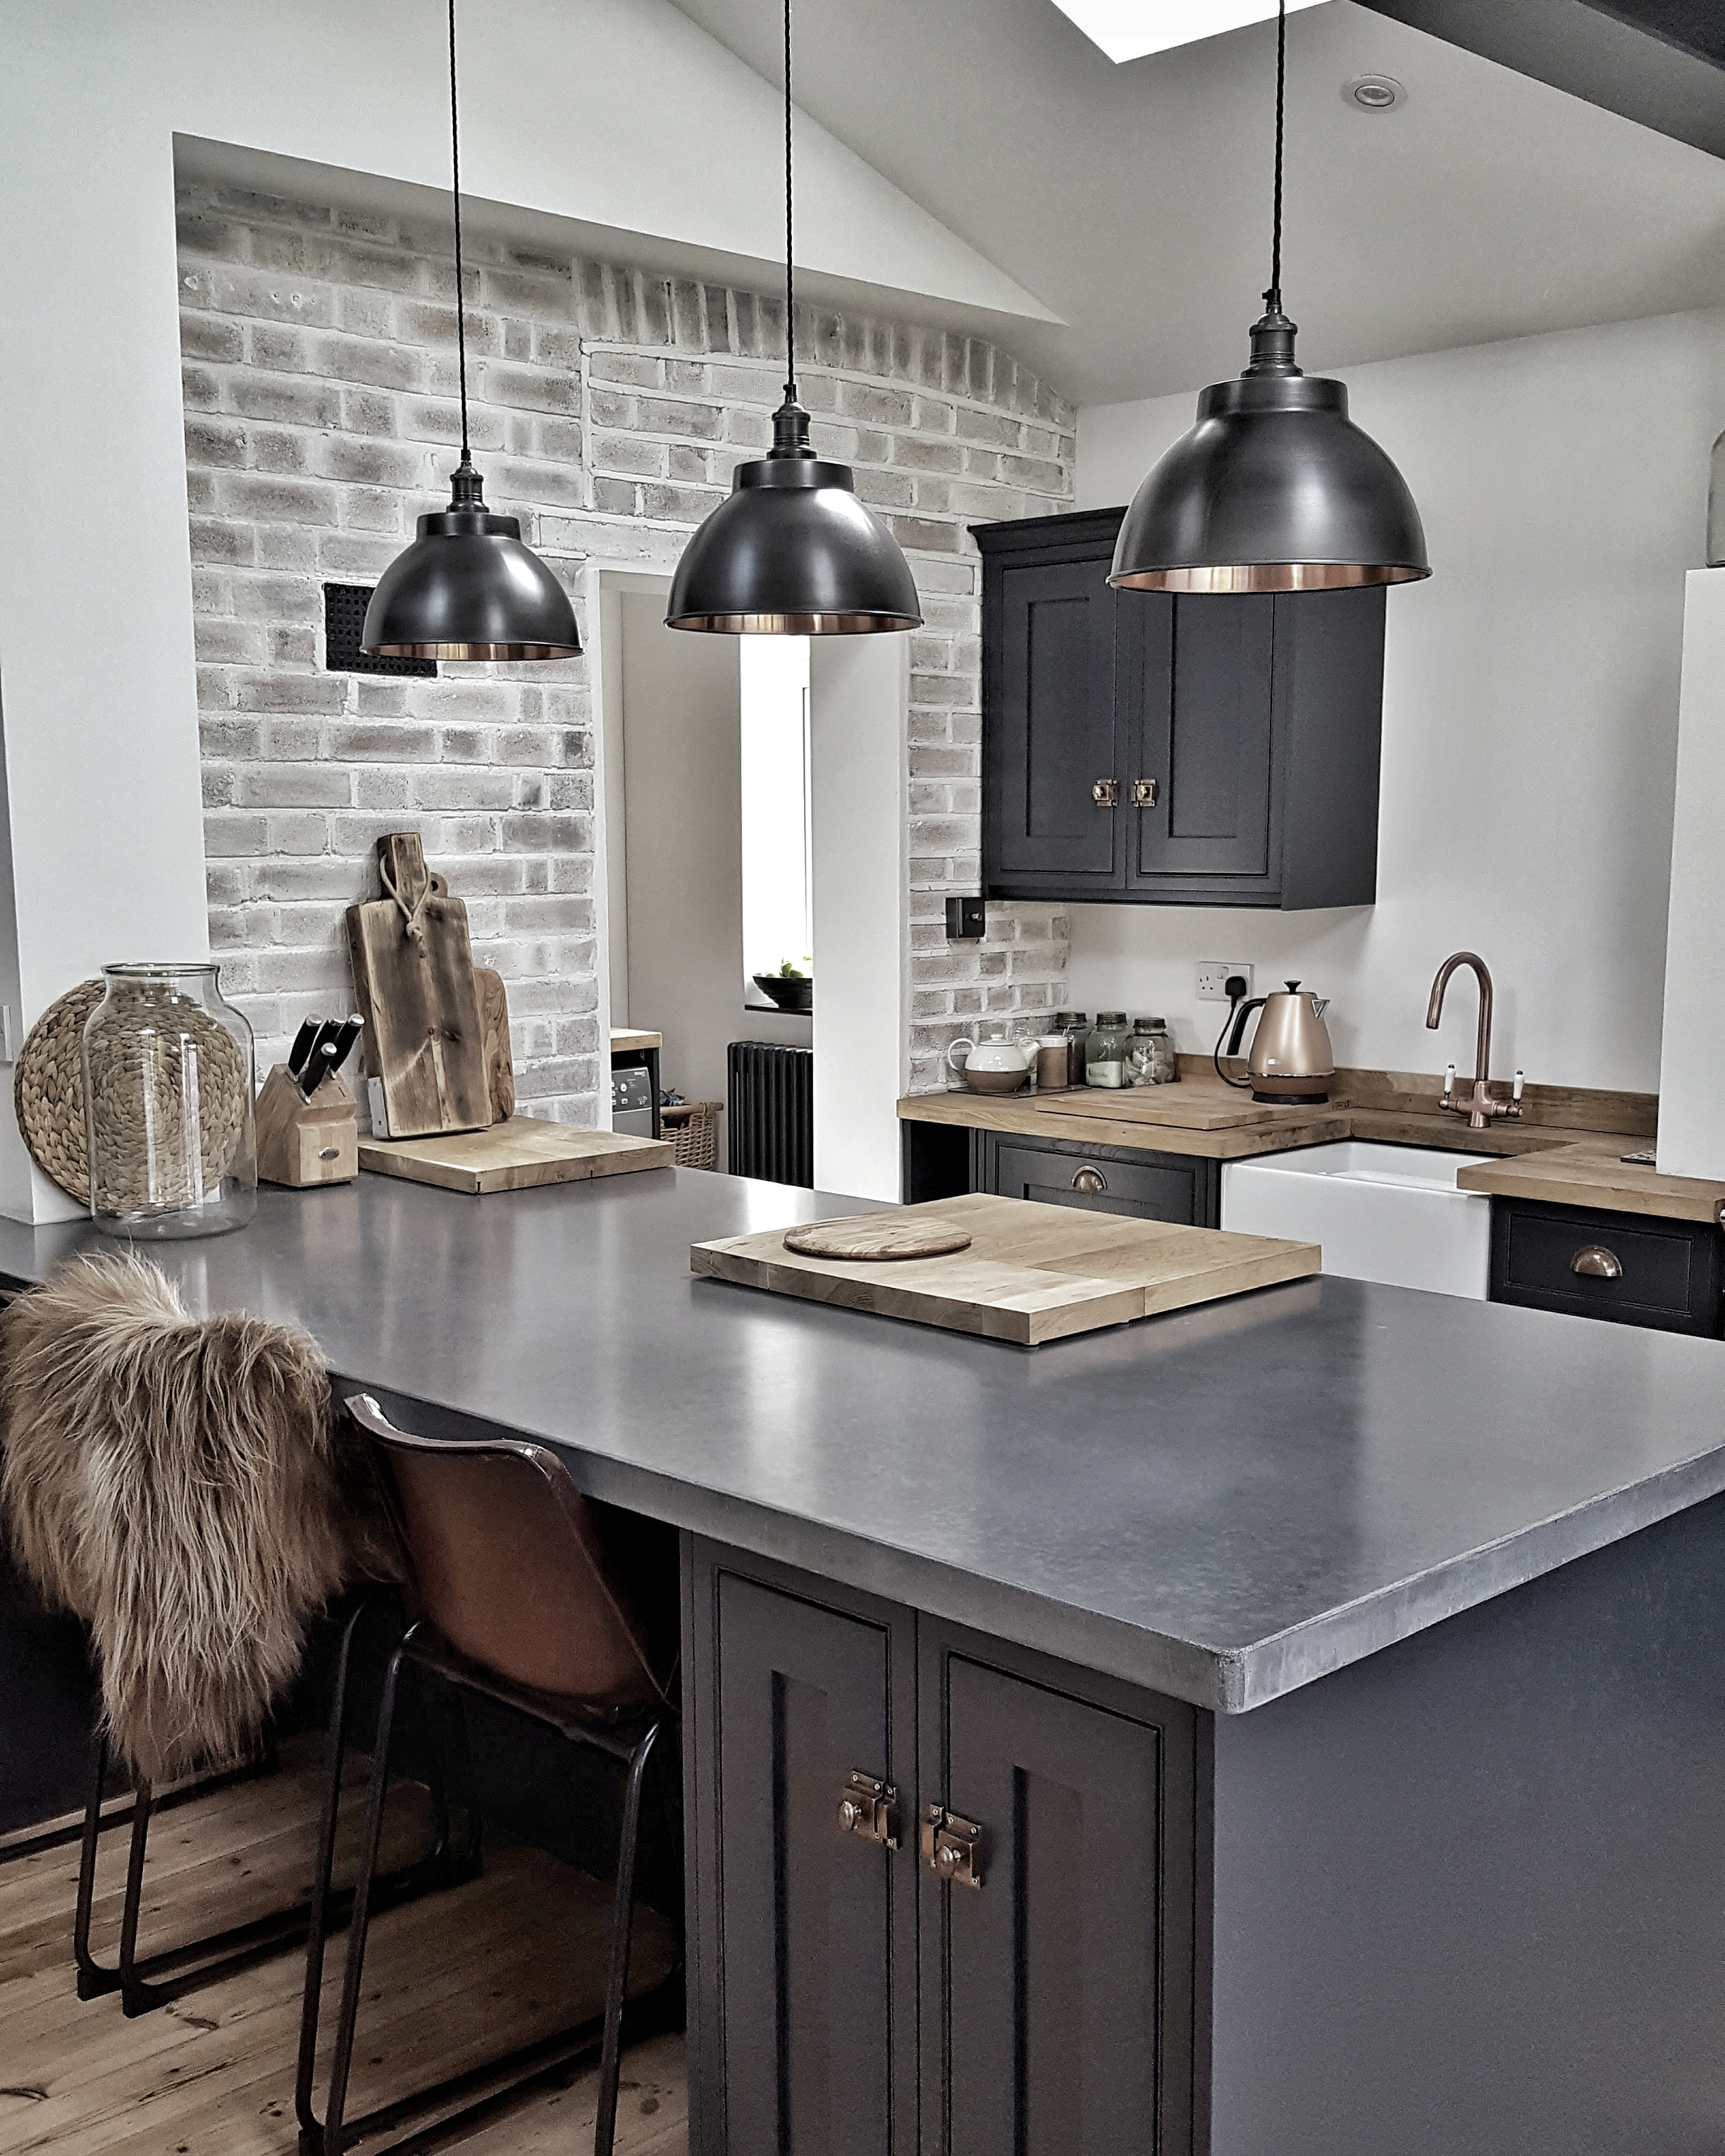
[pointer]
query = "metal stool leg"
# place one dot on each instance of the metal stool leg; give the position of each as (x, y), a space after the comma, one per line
(317, 1930)
(94, 1981)
(137, 1997)
(622, 1929)
(330, 2138)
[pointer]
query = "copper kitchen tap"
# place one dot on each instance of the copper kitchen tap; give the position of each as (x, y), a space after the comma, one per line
(1479, 1107)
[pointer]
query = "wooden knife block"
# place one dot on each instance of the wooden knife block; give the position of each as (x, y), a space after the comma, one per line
(303, 1142)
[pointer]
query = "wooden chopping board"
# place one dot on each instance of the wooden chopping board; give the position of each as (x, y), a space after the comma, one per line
(1032, 1273)
(1186, 1106)
(520, 1154)
(414, 985)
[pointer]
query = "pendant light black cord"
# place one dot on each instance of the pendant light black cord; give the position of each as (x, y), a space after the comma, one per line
(455, 175)
(1272, 298)
(790, 288)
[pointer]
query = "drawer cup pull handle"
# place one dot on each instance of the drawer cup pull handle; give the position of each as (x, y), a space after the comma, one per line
(1090, 1178)
(1595, 1262)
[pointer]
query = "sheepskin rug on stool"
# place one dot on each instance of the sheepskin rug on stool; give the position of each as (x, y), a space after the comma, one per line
(172, 1482)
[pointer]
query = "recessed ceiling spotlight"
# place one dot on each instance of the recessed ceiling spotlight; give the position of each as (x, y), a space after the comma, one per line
(1374, 92)
(1127, 29)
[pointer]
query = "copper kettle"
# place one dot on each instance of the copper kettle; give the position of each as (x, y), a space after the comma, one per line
(1291, 1058)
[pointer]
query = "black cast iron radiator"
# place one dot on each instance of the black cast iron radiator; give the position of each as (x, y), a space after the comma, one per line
(772, 1111)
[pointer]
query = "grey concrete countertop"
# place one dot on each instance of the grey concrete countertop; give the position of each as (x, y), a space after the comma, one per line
(1222, 1503)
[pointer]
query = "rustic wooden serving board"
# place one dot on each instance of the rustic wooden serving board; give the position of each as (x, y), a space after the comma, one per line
(1184, 1107)
(414, 985)
(519, 1154)
(1032, 1273)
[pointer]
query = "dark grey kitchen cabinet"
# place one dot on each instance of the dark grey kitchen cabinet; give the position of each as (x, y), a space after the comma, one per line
(1668, 1275)
(1057, 2000)
(854, 1999)
(809, 1930)
(1144, 747)
(1145, 1186)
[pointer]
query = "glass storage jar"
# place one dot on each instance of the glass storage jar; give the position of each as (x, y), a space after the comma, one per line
(1105, 1051)
(1077, 1027)
(168, 1080)
(1150, 1056)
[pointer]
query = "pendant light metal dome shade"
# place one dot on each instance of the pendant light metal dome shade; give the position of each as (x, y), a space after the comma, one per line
(792, 553)
(1274, 490)
(469, 589)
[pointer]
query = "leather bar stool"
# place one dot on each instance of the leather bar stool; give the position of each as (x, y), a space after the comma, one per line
(171, 1482)
(519, 1603)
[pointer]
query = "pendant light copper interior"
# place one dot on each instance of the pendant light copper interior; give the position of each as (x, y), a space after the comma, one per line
(1274, 489)
(468, 588)
(792, 550)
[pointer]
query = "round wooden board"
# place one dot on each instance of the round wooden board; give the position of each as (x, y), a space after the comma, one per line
(875, 1235)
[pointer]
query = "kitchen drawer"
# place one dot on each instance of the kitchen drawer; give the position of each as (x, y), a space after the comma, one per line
(1146, 1186)
(1668, 1276)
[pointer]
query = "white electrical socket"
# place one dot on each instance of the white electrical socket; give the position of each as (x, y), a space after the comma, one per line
(1213, 975)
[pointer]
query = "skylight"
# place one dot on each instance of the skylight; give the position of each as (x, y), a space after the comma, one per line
(1127, 29)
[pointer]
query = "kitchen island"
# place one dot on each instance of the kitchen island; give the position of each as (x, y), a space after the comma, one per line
(1333, 1678)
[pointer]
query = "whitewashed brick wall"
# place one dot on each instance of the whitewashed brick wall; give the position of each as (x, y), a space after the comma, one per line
(608, 408)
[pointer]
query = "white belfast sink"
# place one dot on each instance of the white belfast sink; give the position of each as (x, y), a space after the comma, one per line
(1381, 1212)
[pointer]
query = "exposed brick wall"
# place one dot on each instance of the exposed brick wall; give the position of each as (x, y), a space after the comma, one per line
(608, 409)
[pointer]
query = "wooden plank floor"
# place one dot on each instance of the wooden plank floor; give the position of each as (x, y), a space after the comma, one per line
(451, 1979)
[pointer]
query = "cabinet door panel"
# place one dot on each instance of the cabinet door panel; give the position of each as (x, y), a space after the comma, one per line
(1145, 1189)
(805, 1912)
(1205, 736)
(1050, 732)
(1059, 2003)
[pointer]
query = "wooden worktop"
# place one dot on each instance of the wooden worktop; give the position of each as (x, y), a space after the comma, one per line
(628, 1040)
(1566, 1150)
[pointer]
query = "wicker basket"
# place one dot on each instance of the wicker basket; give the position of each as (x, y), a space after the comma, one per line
(693, 1128)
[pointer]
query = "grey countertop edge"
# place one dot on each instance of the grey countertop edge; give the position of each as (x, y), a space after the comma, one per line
(1270, 1669)
(1224, 1680)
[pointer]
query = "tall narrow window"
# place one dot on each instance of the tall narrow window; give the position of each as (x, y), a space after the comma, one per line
(777, 884)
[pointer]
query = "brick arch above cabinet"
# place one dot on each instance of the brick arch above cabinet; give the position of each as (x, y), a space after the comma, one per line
(1146, 749)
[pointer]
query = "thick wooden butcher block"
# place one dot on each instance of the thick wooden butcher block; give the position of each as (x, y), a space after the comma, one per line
(1032, 1273)
(520, 1154)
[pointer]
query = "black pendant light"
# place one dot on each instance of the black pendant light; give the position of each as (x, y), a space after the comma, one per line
(468, 588)
(792, 551)
(1274, 489)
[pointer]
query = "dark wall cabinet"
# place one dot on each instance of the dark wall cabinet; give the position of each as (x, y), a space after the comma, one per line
(1203, 751)
(998, 1955)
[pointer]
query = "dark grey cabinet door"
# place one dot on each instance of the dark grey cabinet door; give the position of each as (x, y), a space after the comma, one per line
(1198, 674)
(805, 1933)
(1050, 653)
(1057, 1996)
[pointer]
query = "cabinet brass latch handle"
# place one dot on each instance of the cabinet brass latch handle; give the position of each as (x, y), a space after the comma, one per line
(869, 1808)
(1144, 793)
(1106, 792)
(952, 1847)
(1090, 1178)
(1596, 1262)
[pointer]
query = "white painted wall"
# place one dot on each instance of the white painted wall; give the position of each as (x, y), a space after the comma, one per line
(858, 691)
(1530, 710)
(1691, 1078)
(104, 838)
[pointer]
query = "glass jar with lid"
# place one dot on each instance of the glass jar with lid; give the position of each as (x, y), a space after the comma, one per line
(1077, 1027)
(168, 1080)
(1105, 1051)
(1150, 1056)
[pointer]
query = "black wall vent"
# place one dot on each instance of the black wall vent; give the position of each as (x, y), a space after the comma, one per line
(344, 620)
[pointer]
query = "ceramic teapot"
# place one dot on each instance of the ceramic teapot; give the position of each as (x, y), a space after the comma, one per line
(998, 1066)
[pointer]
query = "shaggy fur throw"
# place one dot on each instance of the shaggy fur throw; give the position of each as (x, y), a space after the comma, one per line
(172, 1482)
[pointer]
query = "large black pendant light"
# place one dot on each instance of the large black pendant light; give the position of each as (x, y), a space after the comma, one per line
(468, 588)
(1274, 489)
(792, 551)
